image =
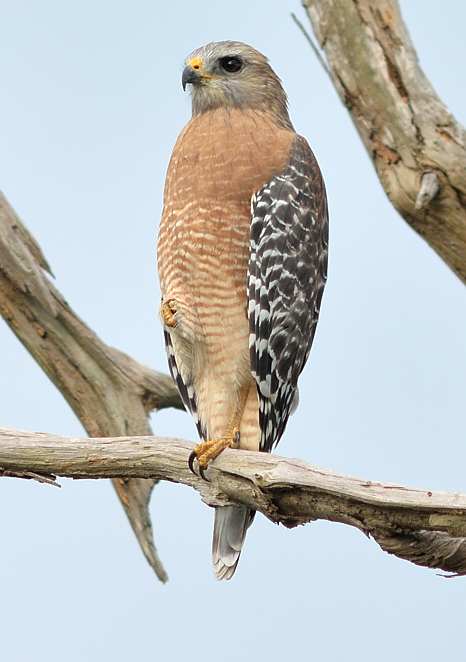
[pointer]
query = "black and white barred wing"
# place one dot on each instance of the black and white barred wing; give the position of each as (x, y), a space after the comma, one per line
(286, 279)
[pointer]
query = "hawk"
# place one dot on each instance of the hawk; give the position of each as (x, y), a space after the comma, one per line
(242, 260)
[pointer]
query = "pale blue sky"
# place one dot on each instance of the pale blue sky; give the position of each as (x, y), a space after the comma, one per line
(91, 107)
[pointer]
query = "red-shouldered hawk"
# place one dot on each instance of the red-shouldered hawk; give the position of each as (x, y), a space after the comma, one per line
(242, 259)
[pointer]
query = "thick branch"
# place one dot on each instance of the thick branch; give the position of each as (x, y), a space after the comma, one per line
(110, 392)
(424, 527)
(417, 147)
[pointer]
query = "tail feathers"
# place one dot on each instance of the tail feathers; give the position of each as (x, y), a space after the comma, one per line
(230, 526)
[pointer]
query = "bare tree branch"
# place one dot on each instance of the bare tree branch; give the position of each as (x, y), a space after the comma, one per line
(419, 152)
(408, 132)
(110, 392)
(424, 527)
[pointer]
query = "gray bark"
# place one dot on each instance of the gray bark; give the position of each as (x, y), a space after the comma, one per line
(417, 147)
(427, 528)
(110, 392)
(418, 150)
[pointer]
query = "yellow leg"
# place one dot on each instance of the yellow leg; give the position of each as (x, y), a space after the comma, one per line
(167, 311)
(208, 450)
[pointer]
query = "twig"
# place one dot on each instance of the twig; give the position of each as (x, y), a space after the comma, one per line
(312, 44)
(49, 479)
(430, 186)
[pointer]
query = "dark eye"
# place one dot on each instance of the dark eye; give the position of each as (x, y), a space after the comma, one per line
(230, 63)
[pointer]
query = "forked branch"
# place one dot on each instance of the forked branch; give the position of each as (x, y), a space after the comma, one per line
(419, 152)
(110, 392)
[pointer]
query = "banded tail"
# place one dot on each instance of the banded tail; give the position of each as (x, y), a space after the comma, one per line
(230, 526)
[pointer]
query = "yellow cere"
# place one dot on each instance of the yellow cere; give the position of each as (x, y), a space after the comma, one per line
(195, 63)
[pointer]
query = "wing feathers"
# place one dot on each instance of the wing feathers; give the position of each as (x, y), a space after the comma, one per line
(286, 278)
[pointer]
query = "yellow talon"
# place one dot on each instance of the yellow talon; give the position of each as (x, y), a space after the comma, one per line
(208, 450)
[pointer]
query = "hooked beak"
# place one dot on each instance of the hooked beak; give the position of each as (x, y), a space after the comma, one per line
(190, 75)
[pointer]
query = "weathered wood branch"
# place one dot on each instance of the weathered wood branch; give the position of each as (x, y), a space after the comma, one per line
(419, 152)
(110, 392)
(416, 145)
(424, 527)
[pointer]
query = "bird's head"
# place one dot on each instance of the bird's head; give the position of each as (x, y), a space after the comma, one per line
(233, 74)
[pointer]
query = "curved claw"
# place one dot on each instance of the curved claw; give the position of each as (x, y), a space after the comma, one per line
(192, 457)
(202, 474)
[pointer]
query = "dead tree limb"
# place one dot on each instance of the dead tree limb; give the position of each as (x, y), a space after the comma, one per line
(110, 392)
(424, 527)
(419, 152)
(417, 147)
